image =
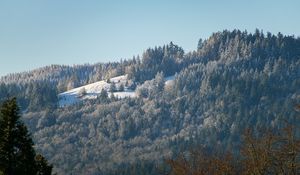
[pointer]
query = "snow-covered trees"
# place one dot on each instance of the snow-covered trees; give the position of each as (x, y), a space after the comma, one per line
(166, 59)
(234, 80)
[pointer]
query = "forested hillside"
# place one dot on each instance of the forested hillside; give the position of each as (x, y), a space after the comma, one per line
(233, 81)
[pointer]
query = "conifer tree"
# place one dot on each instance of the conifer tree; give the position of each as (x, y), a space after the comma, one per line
(17, 155)
(43, 167)
(121, 87)
(112, 87)
(103, 97)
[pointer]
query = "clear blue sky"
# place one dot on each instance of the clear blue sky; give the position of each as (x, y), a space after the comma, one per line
(35, 33)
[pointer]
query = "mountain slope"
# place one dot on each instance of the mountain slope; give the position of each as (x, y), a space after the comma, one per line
(234, 80)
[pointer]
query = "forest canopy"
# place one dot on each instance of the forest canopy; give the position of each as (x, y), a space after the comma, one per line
(234, 80)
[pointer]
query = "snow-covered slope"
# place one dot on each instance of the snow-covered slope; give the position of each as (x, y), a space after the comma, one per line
(93, 90)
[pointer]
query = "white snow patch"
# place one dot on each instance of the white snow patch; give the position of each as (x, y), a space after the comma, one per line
(169, 79)
(93, 90)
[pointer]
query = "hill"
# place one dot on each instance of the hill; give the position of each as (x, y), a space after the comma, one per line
(234, 80)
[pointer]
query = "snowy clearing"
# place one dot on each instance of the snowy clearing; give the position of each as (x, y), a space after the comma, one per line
(93, 90)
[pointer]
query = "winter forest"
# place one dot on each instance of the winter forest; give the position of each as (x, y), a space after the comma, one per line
(170, 111)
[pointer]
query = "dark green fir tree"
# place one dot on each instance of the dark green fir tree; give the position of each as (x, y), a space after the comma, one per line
(17, 155)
